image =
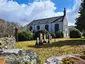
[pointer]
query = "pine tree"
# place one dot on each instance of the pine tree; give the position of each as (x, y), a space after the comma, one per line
(80, 23)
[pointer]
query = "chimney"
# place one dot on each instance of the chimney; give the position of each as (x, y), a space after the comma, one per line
(64, 11)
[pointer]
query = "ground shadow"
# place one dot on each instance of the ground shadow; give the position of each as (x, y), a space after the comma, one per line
(62, 43)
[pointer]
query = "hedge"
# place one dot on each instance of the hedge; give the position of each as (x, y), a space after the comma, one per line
(84, 34)
(59, 34)
(75, 33)
(25, 35)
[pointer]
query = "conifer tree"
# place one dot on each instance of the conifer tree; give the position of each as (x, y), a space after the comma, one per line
(80, 23)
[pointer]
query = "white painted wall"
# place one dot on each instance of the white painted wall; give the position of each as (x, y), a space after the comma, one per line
(51, 26)
(42, 26)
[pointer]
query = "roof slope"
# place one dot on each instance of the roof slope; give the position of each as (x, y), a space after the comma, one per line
(47, 20)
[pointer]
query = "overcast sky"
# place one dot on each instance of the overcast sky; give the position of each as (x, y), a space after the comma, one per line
(24, 11)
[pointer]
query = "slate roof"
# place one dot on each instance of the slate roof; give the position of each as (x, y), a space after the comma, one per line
(46, 20)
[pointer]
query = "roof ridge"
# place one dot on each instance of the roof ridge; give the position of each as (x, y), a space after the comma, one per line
(47, 18)
(58, 18)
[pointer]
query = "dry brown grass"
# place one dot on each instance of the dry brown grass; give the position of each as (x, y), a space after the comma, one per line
(56, 48)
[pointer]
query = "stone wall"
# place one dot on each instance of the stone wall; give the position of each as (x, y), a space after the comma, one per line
(7, 42)
(19, 56)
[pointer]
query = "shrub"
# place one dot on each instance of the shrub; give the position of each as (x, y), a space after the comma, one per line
(37, 33)
(59, 34)
(28, 34)
(21, 36)
(75, 33)
(84, 34)
(25, 35)
(53, 34)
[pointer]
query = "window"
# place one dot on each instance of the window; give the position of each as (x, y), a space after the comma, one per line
(38, 27)
(47, 27)
(30, 28)
(56, 27)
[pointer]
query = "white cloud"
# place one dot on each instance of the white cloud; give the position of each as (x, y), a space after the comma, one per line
(72, 14)
(12, 11)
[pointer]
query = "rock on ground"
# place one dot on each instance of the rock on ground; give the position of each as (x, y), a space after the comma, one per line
(19, 56)
(58, 60)
(7, 42)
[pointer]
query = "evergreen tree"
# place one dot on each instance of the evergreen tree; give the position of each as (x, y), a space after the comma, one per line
(80, 23)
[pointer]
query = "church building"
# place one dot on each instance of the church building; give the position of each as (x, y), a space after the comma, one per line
(51, 24)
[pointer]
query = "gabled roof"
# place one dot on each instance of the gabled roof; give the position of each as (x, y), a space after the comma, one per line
(47, 20)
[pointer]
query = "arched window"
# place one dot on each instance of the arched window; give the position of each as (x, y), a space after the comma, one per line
(38, 27)
(47, 27)
(30, 28)
(56, 27)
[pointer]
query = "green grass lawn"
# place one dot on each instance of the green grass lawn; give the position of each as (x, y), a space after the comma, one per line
(55, 48)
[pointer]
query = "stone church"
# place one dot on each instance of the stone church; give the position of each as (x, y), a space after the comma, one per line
(51, 24)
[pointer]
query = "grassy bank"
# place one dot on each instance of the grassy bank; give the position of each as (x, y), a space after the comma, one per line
(55, 48)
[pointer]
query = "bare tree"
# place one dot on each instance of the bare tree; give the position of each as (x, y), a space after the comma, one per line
(2, 27)
(8, 28)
